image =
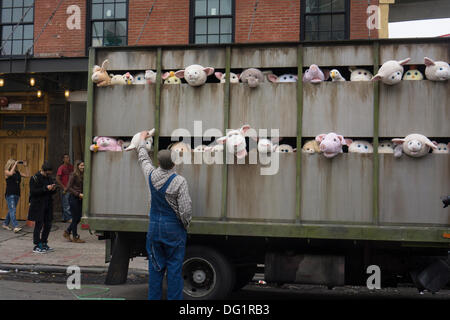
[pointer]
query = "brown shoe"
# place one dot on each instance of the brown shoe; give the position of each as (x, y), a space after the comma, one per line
(77, 240)
(67, 235)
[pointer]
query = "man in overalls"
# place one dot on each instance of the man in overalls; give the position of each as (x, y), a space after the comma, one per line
(170, 214)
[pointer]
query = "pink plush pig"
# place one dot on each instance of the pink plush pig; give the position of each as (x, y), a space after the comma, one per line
(315, 75)
(331, 144)
(106, 144)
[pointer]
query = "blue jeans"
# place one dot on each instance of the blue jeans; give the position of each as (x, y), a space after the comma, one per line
(12, 201)
(66, 215)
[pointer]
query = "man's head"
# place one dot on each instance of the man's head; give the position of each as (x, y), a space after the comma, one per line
(46, 168)
(165, 159)
(66, 158)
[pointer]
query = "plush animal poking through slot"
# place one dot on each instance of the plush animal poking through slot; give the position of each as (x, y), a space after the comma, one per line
(441, 147)
(315, 75)
(234, 78)
(331, 144)
(359, 146)
(253, 77)
(150, 76)
(235, 141)
(310, 147)
(336, 75)
(100, 76)
(195, 75)
(413, 74)
(360, 74)
(139, 79)
(436, 71)
(285, 148)
(267, 145)
(386, 146)
(283, 78)
(170, 78)
(414, 145)
(391, 72)
(137, 137)
(106, 144)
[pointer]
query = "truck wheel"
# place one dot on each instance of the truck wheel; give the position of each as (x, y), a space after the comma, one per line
(207, 274)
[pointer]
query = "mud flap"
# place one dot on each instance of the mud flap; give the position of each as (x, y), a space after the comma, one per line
(435, 276)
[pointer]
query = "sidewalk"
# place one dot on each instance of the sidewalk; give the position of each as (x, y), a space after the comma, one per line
(16, 251)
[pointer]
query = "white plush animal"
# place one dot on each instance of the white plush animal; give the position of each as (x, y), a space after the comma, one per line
(195, 75)
(386, 146)
(283, 78)
(441, 147)
(336, 75)
(136, 138)
(200, 148)
(285, 148)
(414, 145)
(139, 79)
(267, 145)
(118, 79)
(235, 141)
(436, 71)
(359, 146)
(391, 72)
(360, 74)
(234, 78)
(179, 147)
(150, 76)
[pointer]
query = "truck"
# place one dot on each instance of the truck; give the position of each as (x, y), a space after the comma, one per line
(317, 220)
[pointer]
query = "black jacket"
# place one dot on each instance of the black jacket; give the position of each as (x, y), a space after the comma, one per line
(41, 199)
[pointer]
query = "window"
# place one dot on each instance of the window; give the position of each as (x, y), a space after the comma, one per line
(109, 22)
(212, 21)
(23, 122)
(325, 19)
(17, 38)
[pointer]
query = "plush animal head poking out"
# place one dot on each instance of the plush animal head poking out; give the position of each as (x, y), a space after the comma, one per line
(314, 75)
(100, 76)
(336, 75)
(150, 76)
(413, 74)
(436, 71)
(330, 144)
(252, 76)
(441, 147)
(285, 148)
(359, 146)
(386, 146)
(391, 72)
(139, 79)
(283, 78)
(360, 74)
(106, 144)
(195, 75)
(414, 145)
(235, 141)
(234, 78)
(310, 147)
(170, 78)
(136, 138)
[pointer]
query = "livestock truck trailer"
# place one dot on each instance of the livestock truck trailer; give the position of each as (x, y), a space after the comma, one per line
(315, 220)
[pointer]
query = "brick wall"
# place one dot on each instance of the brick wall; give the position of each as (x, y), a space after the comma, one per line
(57, 39)
(358, 20)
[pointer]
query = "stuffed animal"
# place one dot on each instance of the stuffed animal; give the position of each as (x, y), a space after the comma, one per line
(285, 148)
(283, 78)
(171, 78)
(441, 147)
(136, 138)
(100, 76)
(436, 71)
(336, 75)
(253, 77)
(200, 148)
(179, 147)
(267, 145)
(150, 76)
(195, 75)
(139, 79)
(359, 146)
(128, 78)
(360, 74)
(106, 144)
(311, 146)
(386, 146)
(414, 145)
(235, 141)
(413, 74)
(331, 144)
(391, 72)
(314, 75)
(234, 78)
(118, 79)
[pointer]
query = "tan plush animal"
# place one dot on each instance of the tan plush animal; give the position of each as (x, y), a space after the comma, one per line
(441, 147)
(414, 145)
(391, 72)
(180, 147)
(100, 76)
(311, 146)
(386, 146)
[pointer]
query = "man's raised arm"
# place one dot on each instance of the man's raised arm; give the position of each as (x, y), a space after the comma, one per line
(143, 158)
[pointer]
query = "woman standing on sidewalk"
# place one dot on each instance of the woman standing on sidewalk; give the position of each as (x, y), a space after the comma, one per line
(13, 178)
(75, 188)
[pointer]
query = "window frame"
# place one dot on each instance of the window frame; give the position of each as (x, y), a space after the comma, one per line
(90, 21)
(192, 19)
(13, 24)
(303, 16)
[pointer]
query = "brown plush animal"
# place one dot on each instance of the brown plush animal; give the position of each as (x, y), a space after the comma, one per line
(100, 76)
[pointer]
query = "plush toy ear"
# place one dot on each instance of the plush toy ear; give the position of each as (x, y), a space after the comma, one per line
(95, 139)
(179, 74)
(435, 143)
(244, 129)
(165, 75)
(222, 140)
(405, 61)
(398, 141)
(152, 132)
(428, 62)
(431, 144)
(376, 77)
(348, 142)
(218, 75)
(341, 138)
(208, 70)
(120, 142)
(326, 74)
(320, 137)
(272, 78)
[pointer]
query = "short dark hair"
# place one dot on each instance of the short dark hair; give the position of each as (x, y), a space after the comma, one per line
(165, 159)
(46, 166)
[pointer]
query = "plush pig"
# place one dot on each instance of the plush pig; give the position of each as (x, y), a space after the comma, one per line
(391, 72)
(360, 74)
(285, 148)
(136, 138)
(106, 144)
(139, 79)
(235, 141)
(253, 77)
(386, 146)
(336, 75)
(170, 78)
(234, 78)
(283, 78)
(441, 147)
(359, 146)
(311, 146)
(100, 76)
(315, 75)
(150, 76)
(195, 75)
(413, 74)
(330, 144)
(414, 145)
(436, 71)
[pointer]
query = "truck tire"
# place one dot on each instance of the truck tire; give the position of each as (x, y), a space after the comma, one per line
(207, 274)
(118, 267)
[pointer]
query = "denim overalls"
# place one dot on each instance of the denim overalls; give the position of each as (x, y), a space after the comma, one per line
(166, 243)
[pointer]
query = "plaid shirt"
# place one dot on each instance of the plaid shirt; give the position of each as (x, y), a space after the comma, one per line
(177, 194)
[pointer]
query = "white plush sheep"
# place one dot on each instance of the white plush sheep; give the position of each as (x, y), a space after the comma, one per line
(360, 74)
(437, 71)
(136, 138)
(385, 146)
(391, 72)
(359, 146)
(336, 75)
(414, 145)
(195, 75)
